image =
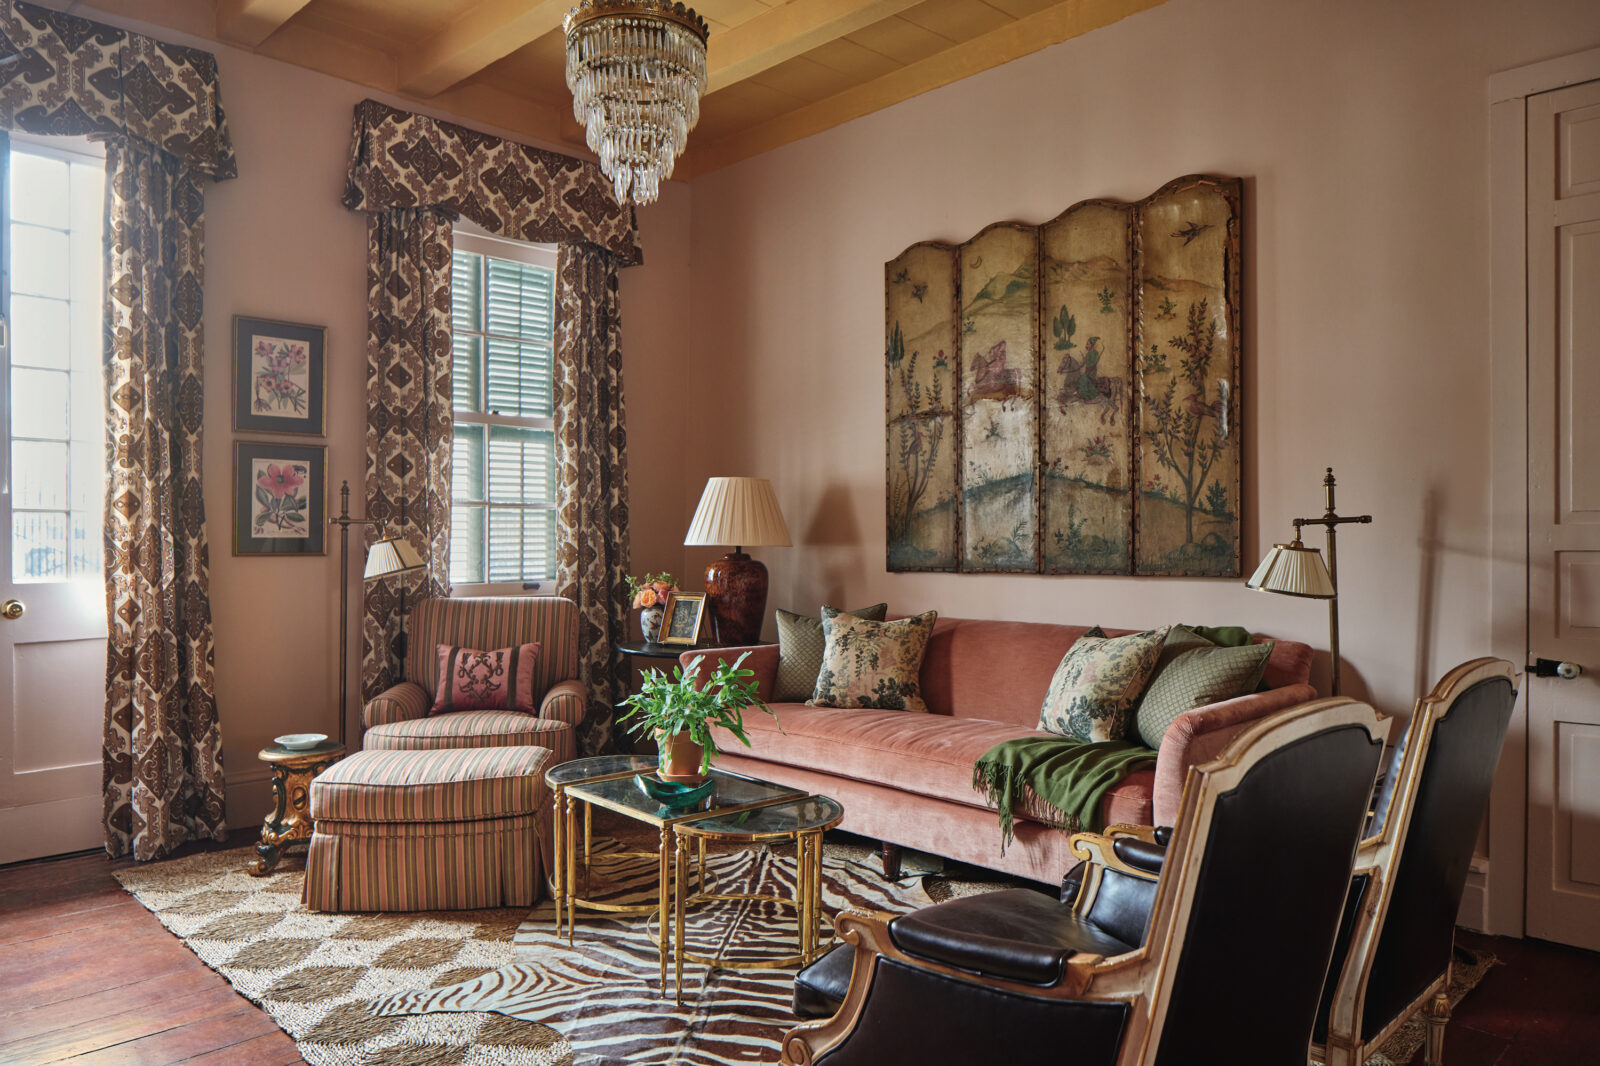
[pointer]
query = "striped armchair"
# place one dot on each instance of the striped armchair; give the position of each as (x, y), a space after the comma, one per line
(398, 718)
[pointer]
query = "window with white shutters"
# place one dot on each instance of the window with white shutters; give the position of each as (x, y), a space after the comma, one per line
(502, 535)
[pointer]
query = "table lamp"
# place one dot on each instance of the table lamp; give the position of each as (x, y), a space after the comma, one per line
(739, 511)
(1296, 570)
(388, 555)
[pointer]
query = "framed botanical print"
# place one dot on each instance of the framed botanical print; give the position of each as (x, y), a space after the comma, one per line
(280, 373)
(280, 498)
(682, 622)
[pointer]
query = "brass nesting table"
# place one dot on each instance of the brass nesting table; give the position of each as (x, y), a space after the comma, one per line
(741, 810)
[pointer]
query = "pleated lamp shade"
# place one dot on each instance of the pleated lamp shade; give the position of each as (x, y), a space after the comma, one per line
(391, 555)
(1293, 570)
(741, 511)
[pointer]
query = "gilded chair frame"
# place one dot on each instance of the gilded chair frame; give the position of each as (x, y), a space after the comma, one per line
(1377, 857)
(1141, 978)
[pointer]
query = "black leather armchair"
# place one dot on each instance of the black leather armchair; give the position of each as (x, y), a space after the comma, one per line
(1264, 842)
(1393, 953)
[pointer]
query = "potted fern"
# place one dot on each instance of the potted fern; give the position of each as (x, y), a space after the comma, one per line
(679, 711)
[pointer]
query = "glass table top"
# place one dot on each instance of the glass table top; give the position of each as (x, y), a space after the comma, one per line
(575, 770)
(779, 819)
(588, 779)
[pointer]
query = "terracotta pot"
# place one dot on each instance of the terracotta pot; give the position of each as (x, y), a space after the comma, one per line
(650, 623)
(680, 759)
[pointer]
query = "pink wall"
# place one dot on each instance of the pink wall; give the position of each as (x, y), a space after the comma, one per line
(1361, 131)
(279, 244)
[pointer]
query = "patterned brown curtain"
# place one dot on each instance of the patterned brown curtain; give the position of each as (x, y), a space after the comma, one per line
(163, 748)
(405, 170)
(409, 420)
(592, 476)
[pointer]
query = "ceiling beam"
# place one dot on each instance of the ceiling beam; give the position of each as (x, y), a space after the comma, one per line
(1065, 20)
(490, 31)
(249, 22)
(789, 30)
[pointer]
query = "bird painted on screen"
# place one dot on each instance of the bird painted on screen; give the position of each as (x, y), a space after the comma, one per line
(1190, 231)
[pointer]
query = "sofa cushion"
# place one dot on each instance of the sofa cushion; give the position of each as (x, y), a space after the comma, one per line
(453, 785)
(1195, 677)
(872, 664)
(930, 755)
(498, 680)
(800, 648)
(1092, 694)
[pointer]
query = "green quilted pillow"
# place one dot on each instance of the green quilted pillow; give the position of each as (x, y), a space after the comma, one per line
(1092, 694)
(800, 645)
(872, 664)
(1195, 676)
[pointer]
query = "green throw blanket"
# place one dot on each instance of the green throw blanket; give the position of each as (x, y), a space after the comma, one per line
(1071, 775)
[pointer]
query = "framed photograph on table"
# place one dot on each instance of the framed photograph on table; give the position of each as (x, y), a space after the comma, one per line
(280, 498)
(681, 624)
(280, 373)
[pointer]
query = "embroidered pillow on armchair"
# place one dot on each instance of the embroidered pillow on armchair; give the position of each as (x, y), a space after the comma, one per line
(1098, 681)
(499, 680)
(872, 664)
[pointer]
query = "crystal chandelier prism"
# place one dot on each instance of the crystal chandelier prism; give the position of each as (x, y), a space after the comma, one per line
(636, 69)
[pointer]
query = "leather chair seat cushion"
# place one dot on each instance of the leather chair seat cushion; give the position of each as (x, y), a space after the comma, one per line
(1017, 934)
(820, 988)
(924, 754)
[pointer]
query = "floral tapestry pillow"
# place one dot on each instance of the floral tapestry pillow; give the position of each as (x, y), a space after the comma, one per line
(800, 647)
(499, 680)
(1092, 694)
(872, 664)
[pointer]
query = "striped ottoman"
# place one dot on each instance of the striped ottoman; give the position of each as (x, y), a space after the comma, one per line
(427, 830)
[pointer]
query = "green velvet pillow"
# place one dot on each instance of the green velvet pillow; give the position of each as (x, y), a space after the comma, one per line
(1195, 676)
(872, 664)
(800, 645)
(1224, 636)
(1092, 694)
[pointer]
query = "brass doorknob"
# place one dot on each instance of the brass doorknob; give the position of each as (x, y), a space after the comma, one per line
(12, 609)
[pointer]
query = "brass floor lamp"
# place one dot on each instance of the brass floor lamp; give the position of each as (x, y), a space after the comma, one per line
(388, 555)
(1296, 570)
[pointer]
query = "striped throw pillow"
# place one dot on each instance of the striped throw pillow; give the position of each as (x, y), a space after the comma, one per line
(472, 680)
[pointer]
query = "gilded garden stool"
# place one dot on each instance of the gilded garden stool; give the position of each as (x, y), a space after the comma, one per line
(447, 829)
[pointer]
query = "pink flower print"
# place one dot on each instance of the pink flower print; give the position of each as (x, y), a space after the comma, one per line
(280, 480)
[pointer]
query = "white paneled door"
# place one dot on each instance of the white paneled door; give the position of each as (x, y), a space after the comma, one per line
(52, 589)
(1563, 887)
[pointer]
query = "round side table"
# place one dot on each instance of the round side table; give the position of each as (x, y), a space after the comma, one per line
(290, 820)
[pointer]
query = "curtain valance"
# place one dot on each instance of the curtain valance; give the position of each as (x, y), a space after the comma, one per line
(402, 159)
(61, 74)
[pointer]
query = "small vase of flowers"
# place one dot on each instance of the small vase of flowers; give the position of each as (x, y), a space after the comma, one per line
(649, 596)
(679, 712)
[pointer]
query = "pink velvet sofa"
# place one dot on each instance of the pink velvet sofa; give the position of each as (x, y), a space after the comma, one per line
(906, 778)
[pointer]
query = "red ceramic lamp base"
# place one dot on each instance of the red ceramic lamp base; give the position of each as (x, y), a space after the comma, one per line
(736, 589)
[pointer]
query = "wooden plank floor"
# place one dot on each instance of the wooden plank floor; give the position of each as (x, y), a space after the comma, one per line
(89, 977)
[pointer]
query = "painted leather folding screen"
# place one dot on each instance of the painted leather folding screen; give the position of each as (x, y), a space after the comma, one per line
(1064, 398)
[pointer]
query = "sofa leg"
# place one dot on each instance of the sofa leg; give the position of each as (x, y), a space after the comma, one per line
(891, 855)
(1437, 1015)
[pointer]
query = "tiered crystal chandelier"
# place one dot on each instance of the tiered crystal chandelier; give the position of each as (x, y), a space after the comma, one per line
(636, 69)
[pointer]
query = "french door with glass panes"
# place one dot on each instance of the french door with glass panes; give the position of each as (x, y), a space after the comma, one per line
(52, 590)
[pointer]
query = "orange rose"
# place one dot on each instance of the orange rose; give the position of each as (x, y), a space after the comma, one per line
(647, 597)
